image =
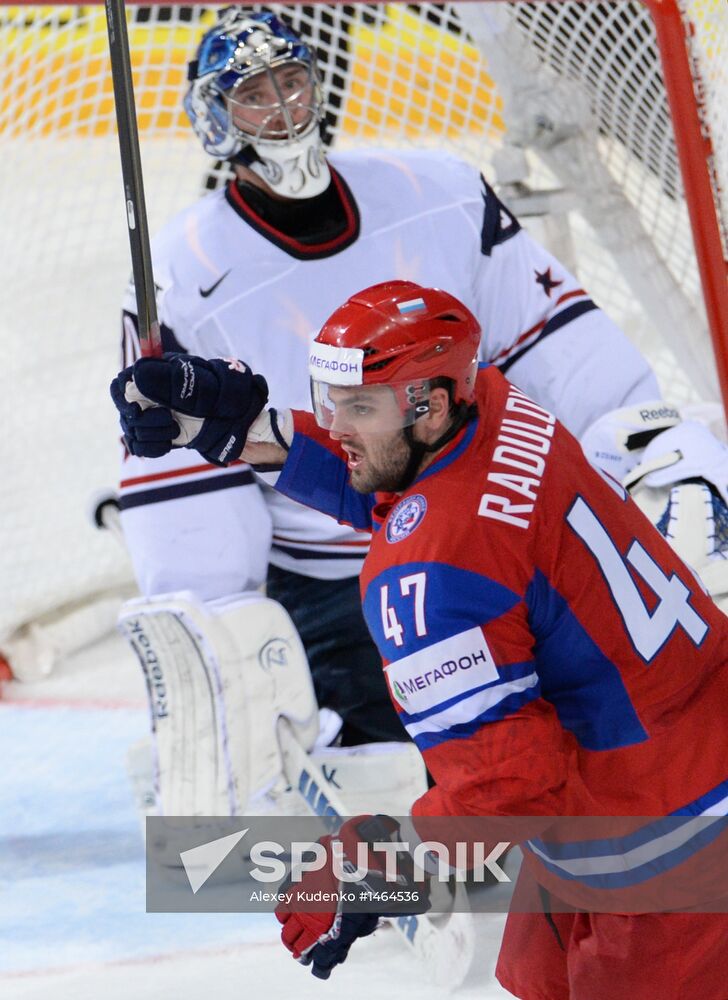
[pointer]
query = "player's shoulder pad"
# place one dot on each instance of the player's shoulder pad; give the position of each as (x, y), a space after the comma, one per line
(173, 237)
(420, 170)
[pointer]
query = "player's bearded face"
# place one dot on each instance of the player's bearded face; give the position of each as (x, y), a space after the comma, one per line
(367, 423)
(378, 464)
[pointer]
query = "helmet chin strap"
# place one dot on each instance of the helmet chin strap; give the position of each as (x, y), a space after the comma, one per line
(293, 168)
(463, 414)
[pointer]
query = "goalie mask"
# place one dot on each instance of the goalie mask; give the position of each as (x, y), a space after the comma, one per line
(255, 98)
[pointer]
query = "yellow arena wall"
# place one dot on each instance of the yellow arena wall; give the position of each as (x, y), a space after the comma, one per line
(408, 76)
(413, 74)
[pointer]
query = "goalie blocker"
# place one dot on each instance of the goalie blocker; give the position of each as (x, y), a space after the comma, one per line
(219, 676)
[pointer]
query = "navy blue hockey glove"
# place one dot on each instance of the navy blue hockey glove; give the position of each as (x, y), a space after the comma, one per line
(148, 432)
(208, 405)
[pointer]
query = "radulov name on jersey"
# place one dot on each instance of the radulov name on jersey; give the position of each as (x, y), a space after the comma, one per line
(523, 445)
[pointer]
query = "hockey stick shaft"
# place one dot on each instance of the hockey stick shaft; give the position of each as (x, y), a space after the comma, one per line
(131, 169)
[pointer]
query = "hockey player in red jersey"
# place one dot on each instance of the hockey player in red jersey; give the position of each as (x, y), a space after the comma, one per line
(597, 678)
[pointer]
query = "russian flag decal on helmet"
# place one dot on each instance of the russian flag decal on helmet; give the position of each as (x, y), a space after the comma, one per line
(412, 305)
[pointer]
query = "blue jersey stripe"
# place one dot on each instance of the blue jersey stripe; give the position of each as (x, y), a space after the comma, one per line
(513, 671)
(585, 688)
(623, 876)
(442, 463)
(603, 847)
(463, 730)
(706, 802)
(572, 861)
(323, 479)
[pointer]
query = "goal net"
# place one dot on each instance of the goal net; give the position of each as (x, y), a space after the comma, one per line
(562, 105)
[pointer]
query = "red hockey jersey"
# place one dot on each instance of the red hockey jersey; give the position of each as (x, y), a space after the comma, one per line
(547, 650)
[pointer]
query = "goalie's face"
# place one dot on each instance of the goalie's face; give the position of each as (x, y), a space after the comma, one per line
(277, 103)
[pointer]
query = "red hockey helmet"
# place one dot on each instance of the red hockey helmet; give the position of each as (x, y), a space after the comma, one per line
(396, 334)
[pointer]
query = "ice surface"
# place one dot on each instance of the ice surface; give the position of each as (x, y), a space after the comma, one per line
(72, 919)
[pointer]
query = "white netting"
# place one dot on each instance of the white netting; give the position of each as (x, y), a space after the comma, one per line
(709, 49)
(563, 97)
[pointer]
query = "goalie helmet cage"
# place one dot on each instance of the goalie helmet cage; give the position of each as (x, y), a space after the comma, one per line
(602, 124)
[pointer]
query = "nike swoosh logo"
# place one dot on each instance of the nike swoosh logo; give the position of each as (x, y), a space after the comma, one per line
(204, 292)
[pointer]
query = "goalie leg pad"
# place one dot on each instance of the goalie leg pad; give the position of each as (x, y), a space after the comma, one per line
(218, 677)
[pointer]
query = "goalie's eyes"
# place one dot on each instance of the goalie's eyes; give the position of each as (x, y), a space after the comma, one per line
(294, 82)
(263, 94)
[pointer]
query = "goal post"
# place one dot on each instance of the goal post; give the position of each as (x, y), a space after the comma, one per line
(602, 124)
(703, 163)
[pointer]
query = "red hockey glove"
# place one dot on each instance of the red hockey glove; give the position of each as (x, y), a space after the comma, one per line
(323, 940)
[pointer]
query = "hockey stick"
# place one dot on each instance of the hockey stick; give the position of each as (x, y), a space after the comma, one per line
(131, 169)
(446, 950)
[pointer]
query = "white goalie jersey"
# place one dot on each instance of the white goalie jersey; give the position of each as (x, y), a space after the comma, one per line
(231, 285)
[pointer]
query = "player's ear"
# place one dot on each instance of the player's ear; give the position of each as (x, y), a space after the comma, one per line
(435, 422)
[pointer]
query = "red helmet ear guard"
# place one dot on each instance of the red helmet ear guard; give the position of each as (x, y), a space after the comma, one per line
(398, 332)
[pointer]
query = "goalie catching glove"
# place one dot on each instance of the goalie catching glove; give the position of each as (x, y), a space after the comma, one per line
(323, 940)
(677, 472)
(180, 400)
(652, 443)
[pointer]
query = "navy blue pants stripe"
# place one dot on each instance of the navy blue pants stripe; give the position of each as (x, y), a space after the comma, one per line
(173, 492)
(316, 554)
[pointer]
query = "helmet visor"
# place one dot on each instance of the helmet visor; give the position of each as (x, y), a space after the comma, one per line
(368, 409)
